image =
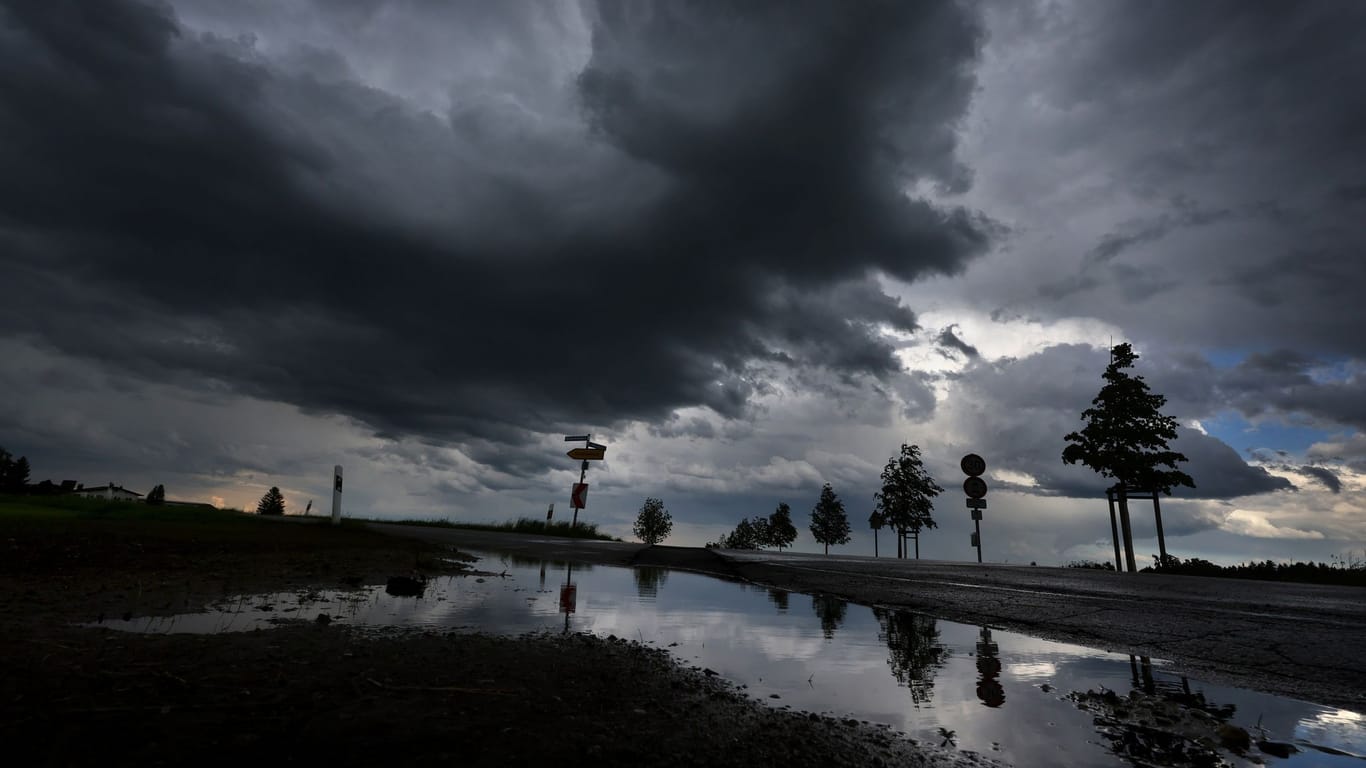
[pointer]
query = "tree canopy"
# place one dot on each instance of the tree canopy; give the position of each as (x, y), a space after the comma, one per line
(746, 535)
(13, 472)
(653, 523)
(780, 532)
(272, 503)
(829, 523)
(906, 498)
(1126, 434)
(157, 495)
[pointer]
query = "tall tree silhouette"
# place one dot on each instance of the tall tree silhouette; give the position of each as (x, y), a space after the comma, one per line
(906, 498)
(829, 523)
(1126, 436)
(157, 495)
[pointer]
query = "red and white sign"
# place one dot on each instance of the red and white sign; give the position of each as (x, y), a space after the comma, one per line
(578, 498)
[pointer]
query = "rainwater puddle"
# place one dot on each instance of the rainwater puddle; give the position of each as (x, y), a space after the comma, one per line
(1002, 694)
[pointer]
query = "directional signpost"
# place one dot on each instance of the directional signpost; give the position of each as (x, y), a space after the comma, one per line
(976, 489)
(591, 451)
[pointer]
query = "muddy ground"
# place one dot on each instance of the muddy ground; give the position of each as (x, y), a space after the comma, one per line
(334, 695)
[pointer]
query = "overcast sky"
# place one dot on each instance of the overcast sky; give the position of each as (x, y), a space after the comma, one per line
(752, 249)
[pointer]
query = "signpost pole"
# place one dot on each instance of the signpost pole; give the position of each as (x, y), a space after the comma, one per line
(583, 472)
(978, 525)
(976, 489)
(336, 494)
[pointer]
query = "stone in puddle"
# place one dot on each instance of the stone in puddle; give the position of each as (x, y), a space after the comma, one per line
(405, 586)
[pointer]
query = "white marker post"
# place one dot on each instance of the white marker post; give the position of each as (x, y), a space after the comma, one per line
(336, 494)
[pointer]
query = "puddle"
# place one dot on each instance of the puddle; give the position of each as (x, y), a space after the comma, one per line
(1006, 695)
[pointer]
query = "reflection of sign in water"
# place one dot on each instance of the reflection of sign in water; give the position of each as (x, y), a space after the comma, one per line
(989, 688)
(569, 598)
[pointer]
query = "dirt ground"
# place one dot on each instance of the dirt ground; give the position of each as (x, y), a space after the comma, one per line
(323, 693)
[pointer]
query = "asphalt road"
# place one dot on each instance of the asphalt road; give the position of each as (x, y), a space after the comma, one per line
(1300, 640)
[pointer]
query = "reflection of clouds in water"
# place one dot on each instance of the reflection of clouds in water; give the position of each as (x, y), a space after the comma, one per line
(1341, 728)
(1032, 670)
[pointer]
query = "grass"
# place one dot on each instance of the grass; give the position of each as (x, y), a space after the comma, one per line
(520, 525)
(56, 509)
(52, 508)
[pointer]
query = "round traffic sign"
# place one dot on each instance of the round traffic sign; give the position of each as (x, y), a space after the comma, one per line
(973, 465)
(975, 487)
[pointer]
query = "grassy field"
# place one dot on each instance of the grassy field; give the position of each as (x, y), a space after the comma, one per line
(80, 508)
(56, 512)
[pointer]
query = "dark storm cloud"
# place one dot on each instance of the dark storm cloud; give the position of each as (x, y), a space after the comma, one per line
(1282, 383)
(1189, 167)
(176, 204)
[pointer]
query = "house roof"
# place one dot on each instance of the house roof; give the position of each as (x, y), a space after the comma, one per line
(109, 487)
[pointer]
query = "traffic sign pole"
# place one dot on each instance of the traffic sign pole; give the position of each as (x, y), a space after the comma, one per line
(976, 489)
(977, 524)
(591, 450)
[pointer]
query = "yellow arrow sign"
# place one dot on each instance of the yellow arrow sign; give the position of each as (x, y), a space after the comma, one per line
(588, 454)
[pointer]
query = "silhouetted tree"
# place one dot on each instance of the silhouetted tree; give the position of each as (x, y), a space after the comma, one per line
(157, 495)
(779, 531)
(13, 472)
(1126, 436)
(18, 475)
(654, 523)
(762, 536)
(914, 651)
(830, 610)
(829, 523)
(745, 536)
(272, 503)
(907, 495)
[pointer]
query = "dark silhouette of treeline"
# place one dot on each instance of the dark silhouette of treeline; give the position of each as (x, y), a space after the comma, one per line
(1345, 570)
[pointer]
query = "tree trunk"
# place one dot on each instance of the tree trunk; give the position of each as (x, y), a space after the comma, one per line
(1127, 528)
(827, 549)
(1161, 538)
(917, 545)
(1114, 532)
(874, 542)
